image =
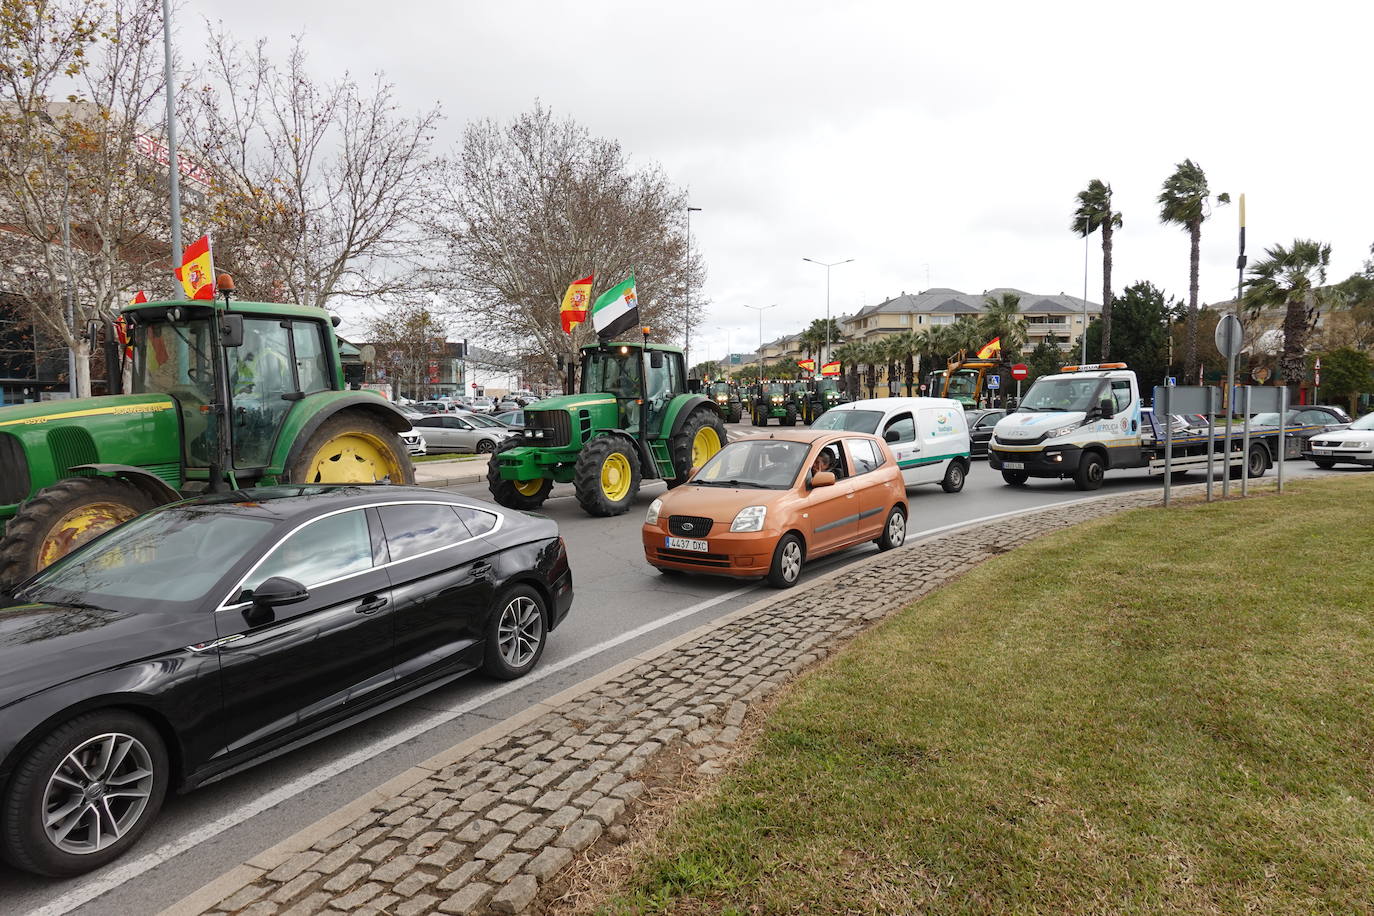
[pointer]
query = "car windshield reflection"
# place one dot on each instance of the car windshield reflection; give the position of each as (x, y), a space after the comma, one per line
(173, 556)
(854, 421)
(766, 464)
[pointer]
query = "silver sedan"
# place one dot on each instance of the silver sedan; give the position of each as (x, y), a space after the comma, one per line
(462, 432)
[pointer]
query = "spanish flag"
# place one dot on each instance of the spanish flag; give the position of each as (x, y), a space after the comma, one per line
(574, 310)
(831, 368)
(197, 270)
(808, 365)
(992, 349)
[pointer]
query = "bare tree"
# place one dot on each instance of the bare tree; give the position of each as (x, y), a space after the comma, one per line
(530, 206)
(81, 205)
(316, 186)
(407, 338)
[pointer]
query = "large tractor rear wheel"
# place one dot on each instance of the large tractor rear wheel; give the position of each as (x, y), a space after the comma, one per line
(351, 447)
(62, 517)
(607, 476)
(516, 494)
(701, 436)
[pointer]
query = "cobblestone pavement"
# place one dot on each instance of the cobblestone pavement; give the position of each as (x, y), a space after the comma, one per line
(480, 828)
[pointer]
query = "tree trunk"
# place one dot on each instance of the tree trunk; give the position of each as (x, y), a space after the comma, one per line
(82, 359)
(1292, 363)
(910, 373)
(1190, 357)
(1106, 289)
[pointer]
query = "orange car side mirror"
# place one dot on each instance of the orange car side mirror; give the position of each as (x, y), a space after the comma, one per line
(822, 479)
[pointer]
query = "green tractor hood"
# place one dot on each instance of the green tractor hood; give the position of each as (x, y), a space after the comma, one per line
(574, 402)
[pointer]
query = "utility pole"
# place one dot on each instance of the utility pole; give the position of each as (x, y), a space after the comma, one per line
(173, 165)
(687, 322)
(827, 267)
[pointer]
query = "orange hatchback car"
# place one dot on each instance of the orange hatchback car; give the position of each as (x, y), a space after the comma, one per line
(765, 505)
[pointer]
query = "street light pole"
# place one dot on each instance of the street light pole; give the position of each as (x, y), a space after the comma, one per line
(1084, 360)
(827, 267)
(173, 166)
(761, 309)
(687, 319)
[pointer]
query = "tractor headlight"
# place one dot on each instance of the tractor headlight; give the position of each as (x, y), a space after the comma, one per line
(651, 517)
(750, 518)
(777, 400)
(1061, 431)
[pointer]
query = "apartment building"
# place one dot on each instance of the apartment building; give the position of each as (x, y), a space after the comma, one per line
(1058, 319)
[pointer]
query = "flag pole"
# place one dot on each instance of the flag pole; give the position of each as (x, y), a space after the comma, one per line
(173, 165)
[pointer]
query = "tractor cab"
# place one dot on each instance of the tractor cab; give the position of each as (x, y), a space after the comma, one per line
(642, 382)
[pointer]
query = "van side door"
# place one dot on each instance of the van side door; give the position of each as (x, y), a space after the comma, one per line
(899, 431)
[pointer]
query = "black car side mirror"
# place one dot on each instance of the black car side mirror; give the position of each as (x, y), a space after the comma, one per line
(892, 436)
(1107, 409)
(272, 593)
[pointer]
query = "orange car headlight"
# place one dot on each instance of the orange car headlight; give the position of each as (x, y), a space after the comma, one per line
(750, 518)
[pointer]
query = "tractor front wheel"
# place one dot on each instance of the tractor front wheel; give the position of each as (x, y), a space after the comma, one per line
(62, 517)
(515, 494)
(351, 447)
(701, 436)
(607, 476)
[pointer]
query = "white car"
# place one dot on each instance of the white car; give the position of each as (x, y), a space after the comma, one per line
(1352, 445)
(928, 436)
(415, 443)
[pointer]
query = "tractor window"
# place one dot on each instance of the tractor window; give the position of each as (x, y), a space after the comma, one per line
(260, 374)
(612, 372)
(176, 360)
(312, 368)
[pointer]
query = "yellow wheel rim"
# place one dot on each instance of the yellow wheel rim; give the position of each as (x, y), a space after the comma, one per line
(79, 526)
(704, 445)
(529, 487)
(615, 477)
(354, 458)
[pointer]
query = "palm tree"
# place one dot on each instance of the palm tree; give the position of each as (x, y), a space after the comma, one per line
(1185, 201)
(1289, 277)
(966, 334)
(849, 356)
(1003, 319)
(911, 344)
(818, 331)
(1095, 212)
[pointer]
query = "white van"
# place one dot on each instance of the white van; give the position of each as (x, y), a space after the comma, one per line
(929, 436)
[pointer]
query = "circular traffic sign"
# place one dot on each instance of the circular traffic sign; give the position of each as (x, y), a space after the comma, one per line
(1228, 336)
(1020, 371)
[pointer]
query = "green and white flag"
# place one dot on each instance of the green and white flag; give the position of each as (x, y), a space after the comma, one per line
(616, 310)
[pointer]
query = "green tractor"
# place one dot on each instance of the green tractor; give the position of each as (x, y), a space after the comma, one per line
(634, 420)
(726, 396)
(223, 397)
(774, 401)
(821, 395)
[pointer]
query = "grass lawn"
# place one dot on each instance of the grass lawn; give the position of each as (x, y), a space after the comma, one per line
(1159, 712)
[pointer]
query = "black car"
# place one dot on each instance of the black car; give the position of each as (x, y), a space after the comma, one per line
(980, 424)
(206, 635)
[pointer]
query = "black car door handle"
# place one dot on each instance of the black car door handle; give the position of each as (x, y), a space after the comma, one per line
(481, 569)
(370, 604)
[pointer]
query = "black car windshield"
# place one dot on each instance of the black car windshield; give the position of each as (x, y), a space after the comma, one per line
(172, 556)
(765, 464)
(854, 421)
(1059, 393)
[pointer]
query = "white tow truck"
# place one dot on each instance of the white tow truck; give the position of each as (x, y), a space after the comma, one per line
(1087, 420)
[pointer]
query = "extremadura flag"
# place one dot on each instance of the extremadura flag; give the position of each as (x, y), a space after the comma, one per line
(616, 310)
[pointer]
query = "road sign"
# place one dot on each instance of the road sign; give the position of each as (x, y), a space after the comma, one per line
(1260, 374)
(1171, 381)
(1228, 336)
(1020, 371)
(994, 382)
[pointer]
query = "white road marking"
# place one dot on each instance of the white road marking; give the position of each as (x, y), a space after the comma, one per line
(121, 874)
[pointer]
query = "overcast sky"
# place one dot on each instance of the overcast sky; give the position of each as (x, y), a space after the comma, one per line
(937, 146)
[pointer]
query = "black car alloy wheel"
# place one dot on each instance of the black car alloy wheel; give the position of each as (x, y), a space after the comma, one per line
(84, 794)
(516, 635)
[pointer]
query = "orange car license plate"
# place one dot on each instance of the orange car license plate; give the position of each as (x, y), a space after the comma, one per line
(686, 544)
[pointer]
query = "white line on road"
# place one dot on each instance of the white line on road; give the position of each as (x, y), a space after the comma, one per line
(107, 882)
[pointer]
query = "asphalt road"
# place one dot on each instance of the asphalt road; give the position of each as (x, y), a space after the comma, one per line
(622, 607)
